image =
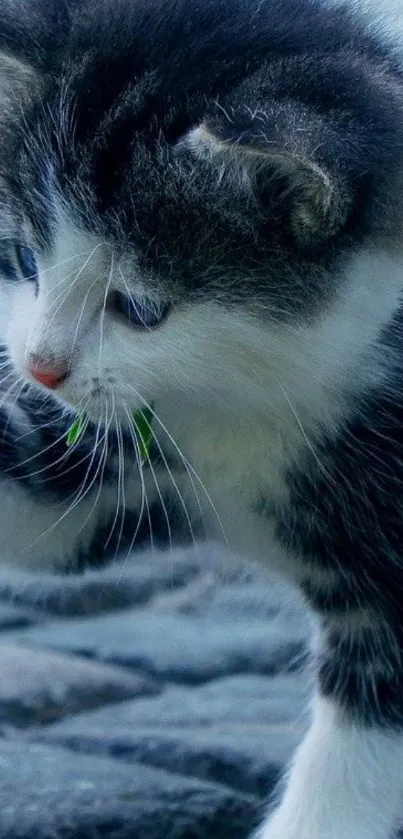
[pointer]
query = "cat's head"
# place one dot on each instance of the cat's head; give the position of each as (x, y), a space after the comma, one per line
(200, 198)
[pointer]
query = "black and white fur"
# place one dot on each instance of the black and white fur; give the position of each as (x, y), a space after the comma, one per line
(202, 212)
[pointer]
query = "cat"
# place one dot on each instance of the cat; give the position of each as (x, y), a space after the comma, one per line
(202, 218)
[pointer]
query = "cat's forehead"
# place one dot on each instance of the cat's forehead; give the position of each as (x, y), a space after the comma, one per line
(79, 251)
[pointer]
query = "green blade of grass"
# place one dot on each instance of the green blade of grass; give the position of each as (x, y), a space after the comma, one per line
(142, 423)
(75, 431)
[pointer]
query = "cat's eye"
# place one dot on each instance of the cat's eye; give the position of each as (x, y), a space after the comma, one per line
(26, 263)
(144, 314)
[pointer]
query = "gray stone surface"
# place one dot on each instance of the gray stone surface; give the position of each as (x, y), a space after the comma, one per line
(167, 711)
(51, 793)
(239, 700)
(122, 585)
(242, 599)
(43, 686)
(12, 617)
(239, 731)
(245, 756)
(179, 647)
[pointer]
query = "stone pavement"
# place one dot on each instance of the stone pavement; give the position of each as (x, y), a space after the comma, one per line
(158, 700)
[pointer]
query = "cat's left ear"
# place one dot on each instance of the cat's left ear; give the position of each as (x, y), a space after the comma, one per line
(290, 150)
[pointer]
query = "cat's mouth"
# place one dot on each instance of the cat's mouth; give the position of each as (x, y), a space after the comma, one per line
(95, 398)
(102, 404)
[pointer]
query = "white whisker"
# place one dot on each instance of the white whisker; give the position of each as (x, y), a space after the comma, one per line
(191, 472)
(154, 476)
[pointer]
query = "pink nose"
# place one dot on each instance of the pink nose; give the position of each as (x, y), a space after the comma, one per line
(50, 378)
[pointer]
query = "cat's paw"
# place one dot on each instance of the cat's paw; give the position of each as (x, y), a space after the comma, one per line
(274, 828)
(281, 825)
(272, 832)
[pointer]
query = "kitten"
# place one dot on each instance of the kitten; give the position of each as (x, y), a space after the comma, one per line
(202, 214)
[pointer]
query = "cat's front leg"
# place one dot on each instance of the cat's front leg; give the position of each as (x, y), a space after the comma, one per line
(345, 781)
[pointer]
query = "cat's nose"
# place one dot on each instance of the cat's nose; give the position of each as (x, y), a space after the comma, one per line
(50, 377)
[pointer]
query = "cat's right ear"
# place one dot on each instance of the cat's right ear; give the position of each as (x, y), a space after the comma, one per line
(289, 146)
(19, 81)
(32, 37)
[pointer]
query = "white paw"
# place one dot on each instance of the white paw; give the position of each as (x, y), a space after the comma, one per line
(283, 824)
(278, 827)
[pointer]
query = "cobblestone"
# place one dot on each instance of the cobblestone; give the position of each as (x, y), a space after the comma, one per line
(176, 648)
(166, 711)
(51, 793)
(97, 592)
(40, 686)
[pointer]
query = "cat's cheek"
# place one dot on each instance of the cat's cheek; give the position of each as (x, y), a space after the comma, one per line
(16, 341)
(22, 311)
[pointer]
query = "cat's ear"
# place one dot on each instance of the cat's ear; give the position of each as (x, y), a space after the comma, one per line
(32, 34)
(18, 81)
(287, 148)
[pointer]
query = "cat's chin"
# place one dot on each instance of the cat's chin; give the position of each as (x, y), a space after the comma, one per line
(103, 408)
(106, 414)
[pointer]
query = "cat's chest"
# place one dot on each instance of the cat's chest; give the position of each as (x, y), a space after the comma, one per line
(239, 506)
(246, 458)
(236, 475)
